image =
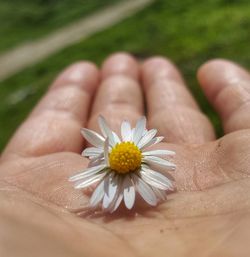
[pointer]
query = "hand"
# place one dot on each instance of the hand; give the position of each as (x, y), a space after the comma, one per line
(208, 215)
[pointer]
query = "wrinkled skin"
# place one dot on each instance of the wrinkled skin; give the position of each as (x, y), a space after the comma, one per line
(208, 214)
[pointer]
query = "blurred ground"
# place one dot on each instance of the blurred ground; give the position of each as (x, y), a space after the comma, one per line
(189, 32)
(22, 21)
(27, 54)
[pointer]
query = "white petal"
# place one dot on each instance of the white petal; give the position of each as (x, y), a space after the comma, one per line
(139, 130)
(132, 134)
(160, 194)
(159, 161)
(144, 132)
(113, 185)
(145, 190)
(126, 131)
(117, 202)
(153, 141)
(88, 172)
(97, 157)
(106, 131)
(97, 195)
(118, 196)
(92, 137)
(129, 192)
(153, 182)
(116, 138)
(110, 188)
(95, 161)
(156, 179)
(158, 152)
(106, 189)
(106, 151)
(103, 126)
(158, 140)
(157, 175)
(89, 181)
(150, 134)
(92, 151)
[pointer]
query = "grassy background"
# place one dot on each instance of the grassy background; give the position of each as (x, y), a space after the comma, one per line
(189, 32)
(24, 20)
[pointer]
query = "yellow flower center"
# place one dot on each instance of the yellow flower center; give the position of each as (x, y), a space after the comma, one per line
(125, 157)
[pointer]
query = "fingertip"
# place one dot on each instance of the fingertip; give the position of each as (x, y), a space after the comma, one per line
(83, 74)
(158, 68)
(218, 73)
(210, 66)
(157, 60)
(120, 63)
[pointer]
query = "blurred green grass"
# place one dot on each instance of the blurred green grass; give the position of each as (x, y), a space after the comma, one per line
(30, 19)
(188, 32)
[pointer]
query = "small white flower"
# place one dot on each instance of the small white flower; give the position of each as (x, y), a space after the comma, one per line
(121, 167)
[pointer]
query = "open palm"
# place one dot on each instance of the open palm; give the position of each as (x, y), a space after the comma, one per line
(208, 215)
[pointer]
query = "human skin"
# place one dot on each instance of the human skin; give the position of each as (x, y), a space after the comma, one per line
(208, 215)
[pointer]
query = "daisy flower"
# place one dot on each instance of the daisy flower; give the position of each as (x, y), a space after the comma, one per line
(120, 168)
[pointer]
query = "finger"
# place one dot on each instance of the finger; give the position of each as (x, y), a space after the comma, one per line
(119, 96)
(171, 107)
(227, 86)
(54, 125)
(120, 64)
